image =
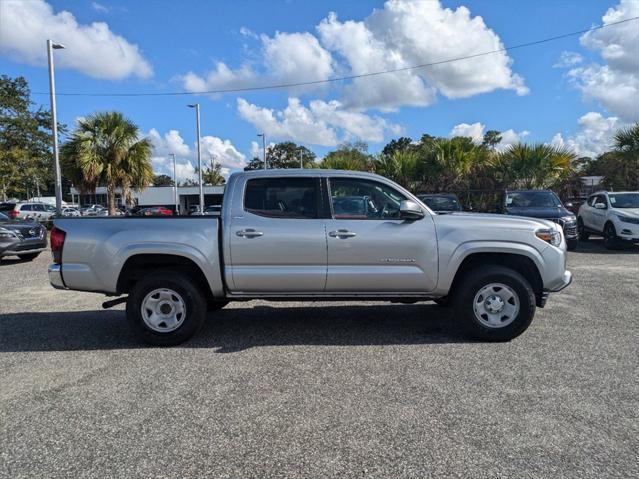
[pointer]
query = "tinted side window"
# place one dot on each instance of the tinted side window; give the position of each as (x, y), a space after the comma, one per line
(39, 208)
(601, 199)
(26, 208)
(357, 199)
(282, 197)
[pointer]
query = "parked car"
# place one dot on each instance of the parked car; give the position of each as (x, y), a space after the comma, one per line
(25, 239)
(615, 215)
(193, 210)
(441, 203)
(155, 211)
(494, 270)
(28, 211)
(213, 210)
(542, 204)
(70, 212)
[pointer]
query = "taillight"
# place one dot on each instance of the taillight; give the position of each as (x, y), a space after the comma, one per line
(57, 243)
(13, 214)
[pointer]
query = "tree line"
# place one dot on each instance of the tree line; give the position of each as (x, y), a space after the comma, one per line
(107, 149)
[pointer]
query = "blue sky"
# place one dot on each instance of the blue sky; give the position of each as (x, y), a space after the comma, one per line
(168, 46)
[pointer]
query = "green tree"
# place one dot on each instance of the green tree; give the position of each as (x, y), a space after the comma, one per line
(284, 155)
(401, 144)
(106, 148)
(212, 174)
(25, 140)
(535, 166)
(492, 138)
(349, 156)
(401, 166)
(162, 180)
(627, 149)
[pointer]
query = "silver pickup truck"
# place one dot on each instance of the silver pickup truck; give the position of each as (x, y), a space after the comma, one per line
(313, 235)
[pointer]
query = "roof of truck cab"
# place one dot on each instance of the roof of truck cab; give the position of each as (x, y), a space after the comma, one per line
(304, 172)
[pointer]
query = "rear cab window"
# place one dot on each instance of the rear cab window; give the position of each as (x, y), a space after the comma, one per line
(287, 197)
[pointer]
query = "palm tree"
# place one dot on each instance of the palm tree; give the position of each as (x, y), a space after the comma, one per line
(535, 166)
(400, 166)
(627, 147)
(106, 148)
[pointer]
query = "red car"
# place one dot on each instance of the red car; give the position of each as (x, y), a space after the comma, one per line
(155, 211)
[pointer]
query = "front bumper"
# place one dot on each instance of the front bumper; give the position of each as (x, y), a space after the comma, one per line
(22, 247)
(55, 276)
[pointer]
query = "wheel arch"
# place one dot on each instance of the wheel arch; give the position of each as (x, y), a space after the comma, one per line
(520, 263)
(139, 265)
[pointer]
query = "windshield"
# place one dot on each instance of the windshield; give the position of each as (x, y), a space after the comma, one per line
(532, 199)
(624, 200)
(441, 203)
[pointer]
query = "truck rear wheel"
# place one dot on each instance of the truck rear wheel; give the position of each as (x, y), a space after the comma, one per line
(494, 303)
(165, 308)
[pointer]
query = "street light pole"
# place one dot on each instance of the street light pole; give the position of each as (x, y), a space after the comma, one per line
(263, 148)
(54, 119)
(199, 156)
(175, 185)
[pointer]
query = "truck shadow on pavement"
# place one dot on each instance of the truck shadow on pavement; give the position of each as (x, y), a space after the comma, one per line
(241, 327)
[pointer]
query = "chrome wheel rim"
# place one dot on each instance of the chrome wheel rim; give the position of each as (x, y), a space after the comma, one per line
(496, 305)
(163, 310)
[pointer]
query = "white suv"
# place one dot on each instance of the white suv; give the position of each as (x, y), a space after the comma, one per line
(41, 212)
(613, 215)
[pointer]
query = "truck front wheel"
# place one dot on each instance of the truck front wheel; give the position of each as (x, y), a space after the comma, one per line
(165, 308)
(494, 303)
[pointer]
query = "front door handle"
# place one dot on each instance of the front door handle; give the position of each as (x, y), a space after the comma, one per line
(341, 234)
(249, 233)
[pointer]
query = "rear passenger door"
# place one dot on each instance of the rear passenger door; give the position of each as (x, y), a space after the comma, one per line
(278, 238)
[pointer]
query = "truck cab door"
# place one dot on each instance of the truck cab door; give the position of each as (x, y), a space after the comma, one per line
(372, 250)
(277, 237)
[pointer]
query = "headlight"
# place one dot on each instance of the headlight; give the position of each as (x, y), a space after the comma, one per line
(569, 219)
(627, 219)
(6, 233)
(549, 236)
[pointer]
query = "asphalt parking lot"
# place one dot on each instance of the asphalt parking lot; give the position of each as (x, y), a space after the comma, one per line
(324, 389)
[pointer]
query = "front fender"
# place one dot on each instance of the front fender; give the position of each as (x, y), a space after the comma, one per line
(449, 266)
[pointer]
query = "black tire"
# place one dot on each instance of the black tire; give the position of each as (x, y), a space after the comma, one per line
(28, 257)
(572, 244)
(216, 305)
(611, 240)
(190, 294)
(583, 234)
(470, 285)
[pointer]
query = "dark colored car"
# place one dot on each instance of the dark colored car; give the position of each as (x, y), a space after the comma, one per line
(544, 204)
(441, 203)
(25, 239)
(155, 211)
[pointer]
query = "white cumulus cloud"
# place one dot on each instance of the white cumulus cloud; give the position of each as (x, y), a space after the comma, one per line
(615, 84)
(321, 123)
(594, 135)
(406, 33)
(219, 150)
(92, 49)
(285, 58)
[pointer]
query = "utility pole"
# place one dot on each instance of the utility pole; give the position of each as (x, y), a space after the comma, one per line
(175, 186)
(199, 155)
(54, 119)
(263, 148)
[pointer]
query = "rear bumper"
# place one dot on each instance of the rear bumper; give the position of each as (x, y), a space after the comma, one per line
(55, 276)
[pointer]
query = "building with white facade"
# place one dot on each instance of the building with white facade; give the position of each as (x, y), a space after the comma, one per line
(155, 196)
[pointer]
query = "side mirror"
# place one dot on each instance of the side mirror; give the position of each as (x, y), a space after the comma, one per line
(409, 210)
(600, 206)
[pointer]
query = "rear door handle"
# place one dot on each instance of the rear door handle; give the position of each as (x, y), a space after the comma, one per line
(249, 233)
(341, 234)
